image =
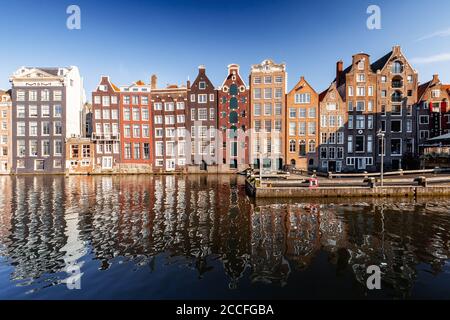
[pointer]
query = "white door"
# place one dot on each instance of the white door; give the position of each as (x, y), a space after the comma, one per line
(107, 162)
(170, 164)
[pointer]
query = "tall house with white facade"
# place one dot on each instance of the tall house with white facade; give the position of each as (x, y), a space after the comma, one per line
(46, 104)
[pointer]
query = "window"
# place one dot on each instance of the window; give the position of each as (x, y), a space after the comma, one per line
(340, 153)
(136, 131)
(410, 79)
(32, 111)
(158, 132)
(32, 95)
(409, 125)
(268, 79)
(340, 138)
(257, 80)
(20, 95)
(137, 151)
(312, 113)
(157, 106)
(57, 128)
(424, 120)
(302, 148)
(360, 122)
(360, 91)
(278, 93)
(136, 114)
(45, 95)
(39, 165)
(20, 111)
(257, 93)
(361, 77)
(350, 144)
(323, 152)
(170, 119)
(302, 98)
(369, 144)
(359, 144)
(257, 109)
(350, 122)
(370, 106)
(203, 114)
(311, 128)
(193, 114)
(127, 150)
(424, 134)
(145, 131)
(396, 146)
(331, 106)
(332, 138)
(57, 111)
(169, 106)
(45, 148)
(360, 106)
(323, 121)
(267, 109)
(20, 129)
(370, 91)
(57, 95)
(370, 122)
(33, 129)
(302, 128)
(181, 118)
(292, 128)
(350, 106)
(58, 147)
(323, 138)
(279, 79)
(158, 119)
(292, 113)
(397, 67)
(267, 93)
(202, 85)
(302, 113)
(350, 91)
(292, 146)
(202, 98)
(106, 114)
(312, 146)
(396, 126)
(278, 109)
(126, 114)
(105, 101)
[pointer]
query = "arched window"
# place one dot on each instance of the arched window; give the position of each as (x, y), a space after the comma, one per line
(302, 150)
(292, 146)
(233, 117)
(233, 103)
(234, 90)
(397, 67)
(312, 146)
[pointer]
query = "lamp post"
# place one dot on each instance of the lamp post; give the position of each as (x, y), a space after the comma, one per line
(381, 136)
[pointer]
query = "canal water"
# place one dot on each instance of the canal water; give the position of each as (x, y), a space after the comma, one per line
(201, 237)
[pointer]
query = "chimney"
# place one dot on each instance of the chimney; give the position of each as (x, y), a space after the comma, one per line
(201, 69)
(435, 78)
(188, 84)
(154, 81)
(339, 69)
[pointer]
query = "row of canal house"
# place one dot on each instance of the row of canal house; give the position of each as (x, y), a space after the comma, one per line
(197, 127)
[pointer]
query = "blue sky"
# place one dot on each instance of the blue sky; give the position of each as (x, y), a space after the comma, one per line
(130, 40)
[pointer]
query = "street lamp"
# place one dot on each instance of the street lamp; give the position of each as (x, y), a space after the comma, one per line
(381, 136)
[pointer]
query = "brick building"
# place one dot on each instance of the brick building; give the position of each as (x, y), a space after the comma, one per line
(302, 126)
(106, 126)
(233, 122)
(201, 121)
(267, 94)
(136, 143)
(171, 141)
(5, 131)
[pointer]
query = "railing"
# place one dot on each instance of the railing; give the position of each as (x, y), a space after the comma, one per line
(397, 98)
(331, 175)
(103, 136)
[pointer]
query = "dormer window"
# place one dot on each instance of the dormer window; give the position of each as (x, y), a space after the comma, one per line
(435, 93)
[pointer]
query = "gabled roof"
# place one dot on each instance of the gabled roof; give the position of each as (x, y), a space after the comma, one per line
(422, 89)
(380, 63)
(296, 87)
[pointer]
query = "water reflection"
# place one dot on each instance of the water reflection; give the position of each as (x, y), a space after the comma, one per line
(207, 225)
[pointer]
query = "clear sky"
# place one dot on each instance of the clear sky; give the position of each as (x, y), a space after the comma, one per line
(130, 40)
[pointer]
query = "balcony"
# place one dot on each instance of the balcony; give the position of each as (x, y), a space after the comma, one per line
(105, 136)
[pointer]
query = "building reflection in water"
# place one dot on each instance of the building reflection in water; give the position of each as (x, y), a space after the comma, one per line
(208, 224)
